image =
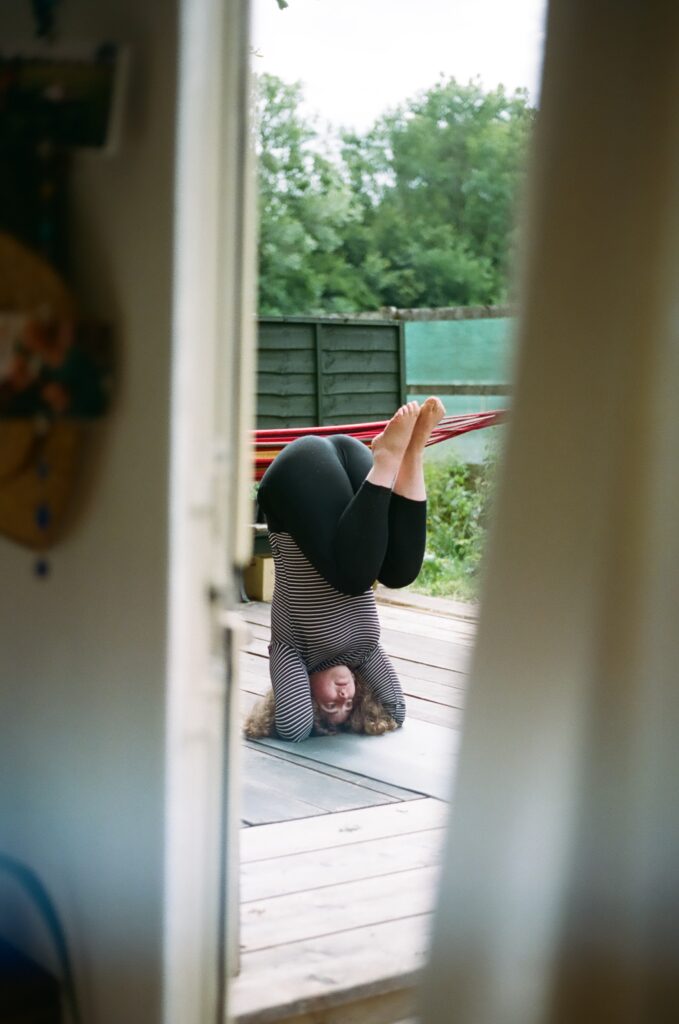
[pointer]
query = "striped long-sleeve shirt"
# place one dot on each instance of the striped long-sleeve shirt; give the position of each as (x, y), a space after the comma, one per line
(314, 627)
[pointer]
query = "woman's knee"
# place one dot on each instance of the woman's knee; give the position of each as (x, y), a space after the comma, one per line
(397, 577)
(295, 731)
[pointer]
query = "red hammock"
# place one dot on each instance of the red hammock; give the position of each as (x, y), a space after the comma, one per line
(268, 443)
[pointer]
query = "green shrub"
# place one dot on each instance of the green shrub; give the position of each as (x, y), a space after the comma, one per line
(458, 505)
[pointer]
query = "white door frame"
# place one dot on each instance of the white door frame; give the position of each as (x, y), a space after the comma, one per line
(212, 398)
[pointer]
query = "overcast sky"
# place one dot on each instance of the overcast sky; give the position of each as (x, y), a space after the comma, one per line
(357, 58)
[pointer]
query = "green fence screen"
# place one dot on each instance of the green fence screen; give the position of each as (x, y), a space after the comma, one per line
(461, 352)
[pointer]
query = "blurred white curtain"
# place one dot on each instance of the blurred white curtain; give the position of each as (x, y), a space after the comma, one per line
(560, 892)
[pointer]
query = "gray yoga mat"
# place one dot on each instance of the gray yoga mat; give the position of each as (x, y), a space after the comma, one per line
(419, 756)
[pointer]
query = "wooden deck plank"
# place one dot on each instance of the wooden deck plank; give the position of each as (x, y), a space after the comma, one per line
(407, 598)
(332, 909)
(449, 695)
(410, 673)
(441, 653)
(262, 804)
(436, 714)
(301, 872)
(316, 974)
(257, 644)
(388, 1008)
(341, 829)
(420, 624)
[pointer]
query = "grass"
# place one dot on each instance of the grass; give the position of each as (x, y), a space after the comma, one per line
(458, 506)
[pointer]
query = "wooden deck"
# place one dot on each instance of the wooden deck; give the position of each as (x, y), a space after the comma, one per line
(339, 868)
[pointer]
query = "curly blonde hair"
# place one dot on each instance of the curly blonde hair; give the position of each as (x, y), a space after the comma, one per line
(367, 717)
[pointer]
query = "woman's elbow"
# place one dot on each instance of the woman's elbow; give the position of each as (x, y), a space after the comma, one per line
(294, 732)
(399, 714)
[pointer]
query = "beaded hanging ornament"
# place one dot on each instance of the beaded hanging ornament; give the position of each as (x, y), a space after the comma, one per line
(54, 370)
(51, 385)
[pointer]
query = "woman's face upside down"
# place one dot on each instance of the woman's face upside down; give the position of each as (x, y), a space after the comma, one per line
(333, 690)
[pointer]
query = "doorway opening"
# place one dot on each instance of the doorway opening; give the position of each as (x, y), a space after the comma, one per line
(390, 214)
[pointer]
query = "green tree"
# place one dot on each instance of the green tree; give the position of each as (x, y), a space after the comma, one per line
(305, 208)
(439, 178)
(417, 211)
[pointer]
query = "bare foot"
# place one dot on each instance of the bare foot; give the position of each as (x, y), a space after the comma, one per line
(395, 437)
(431, 413)
(410, 479)
(390, 445)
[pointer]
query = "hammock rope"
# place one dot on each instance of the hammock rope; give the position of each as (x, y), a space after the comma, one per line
(268, 443)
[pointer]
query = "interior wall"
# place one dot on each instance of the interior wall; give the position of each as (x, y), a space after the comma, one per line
(82, 668)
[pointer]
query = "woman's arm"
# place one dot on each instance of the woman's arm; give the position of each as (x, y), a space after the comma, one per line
(292, 693)
(381, 680)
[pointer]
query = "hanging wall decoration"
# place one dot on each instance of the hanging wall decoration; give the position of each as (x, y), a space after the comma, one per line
(55, 378)
(55, 367)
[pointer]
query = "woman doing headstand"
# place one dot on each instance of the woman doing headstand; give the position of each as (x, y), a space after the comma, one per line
(340, 518)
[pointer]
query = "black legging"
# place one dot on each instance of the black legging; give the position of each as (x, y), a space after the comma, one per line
(353, 532)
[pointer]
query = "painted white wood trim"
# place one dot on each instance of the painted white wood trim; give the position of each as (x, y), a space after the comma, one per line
(211, 411)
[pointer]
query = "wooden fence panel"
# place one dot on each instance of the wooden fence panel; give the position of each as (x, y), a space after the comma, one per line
(322, 371)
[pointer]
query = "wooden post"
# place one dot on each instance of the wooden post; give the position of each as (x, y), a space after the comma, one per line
(402, 361)
(318, 343)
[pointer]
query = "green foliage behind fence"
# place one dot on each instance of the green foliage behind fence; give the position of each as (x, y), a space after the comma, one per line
(459, 505)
